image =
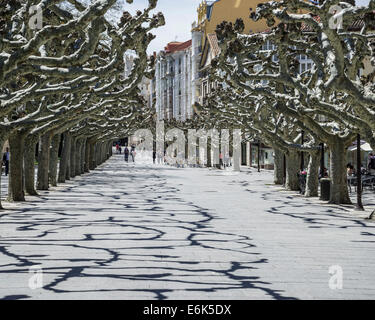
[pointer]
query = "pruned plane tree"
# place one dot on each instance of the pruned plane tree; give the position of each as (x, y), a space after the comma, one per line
(62, 77)
(331, 99)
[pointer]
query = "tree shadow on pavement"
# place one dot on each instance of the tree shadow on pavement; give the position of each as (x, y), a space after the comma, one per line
(127, 233)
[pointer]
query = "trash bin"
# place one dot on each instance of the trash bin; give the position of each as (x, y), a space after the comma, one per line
(325, 189)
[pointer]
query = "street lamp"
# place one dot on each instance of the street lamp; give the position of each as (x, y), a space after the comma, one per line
(322, 160)
(302, 155)
(284, 169)
(258, 155)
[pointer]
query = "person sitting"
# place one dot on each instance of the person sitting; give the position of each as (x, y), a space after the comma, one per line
(363, 170)
(350, 169)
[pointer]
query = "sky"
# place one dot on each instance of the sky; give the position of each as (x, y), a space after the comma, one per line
(179, 15)
(362, 2)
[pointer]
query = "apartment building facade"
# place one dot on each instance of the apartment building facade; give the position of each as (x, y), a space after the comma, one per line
(173, 81)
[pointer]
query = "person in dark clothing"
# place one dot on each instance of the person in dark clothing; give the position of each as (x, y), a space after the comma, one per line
(6, 156)
(120, 149)
(126, 154)
(221, 160)
(371, 164)
(153, 156)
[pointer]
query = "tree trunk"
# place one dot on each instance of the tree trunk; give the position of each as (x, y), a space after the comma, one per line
(105, 153)
(29, 164)
(108, 150)
(16, 182)
(278, 166)
(78, 157)
(102, 152)
(83, 156)
(98, 153)
(3, 138)
(312, 179)
(43, 161)
(87, 156)
(209, 154)
(54, 159)
(338, 175)
(96, 159)
(73, 158)
(92, 158)
(65, 158)
(111, 149)
(292, 170)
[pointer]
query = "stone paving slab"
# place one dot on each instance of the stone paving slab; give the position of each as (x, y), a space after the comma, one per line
(157, 232)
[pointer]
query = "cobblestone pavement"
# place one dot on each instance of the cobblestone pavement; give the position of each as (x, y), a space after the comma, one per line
(144, 231)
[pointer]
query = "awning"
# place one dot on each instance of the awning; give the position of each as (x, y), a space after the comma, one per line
(364, 147)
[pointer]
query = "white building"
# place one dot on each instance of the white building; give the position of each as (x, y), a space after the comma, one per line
(175, 70)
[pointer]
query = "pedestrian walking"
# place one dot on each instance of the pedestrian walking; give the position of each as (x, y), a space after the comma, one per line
(221, 162)
(160, 157)
(117, 148)
(132, 153)
(6, 157)
(153, 156)
(120, 149)
(226, 160)
(126, 154)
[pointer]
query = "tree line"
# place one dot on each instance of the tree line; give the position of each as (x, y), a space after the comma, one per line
(63, 86)
(261, 89)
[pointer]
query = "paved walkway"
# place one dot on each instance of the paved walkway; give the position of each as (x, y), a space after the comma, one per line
(156, 232)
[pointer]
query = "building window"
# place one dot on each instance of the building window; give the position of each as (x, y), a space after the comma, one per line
(267, 46)
(205, 89)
